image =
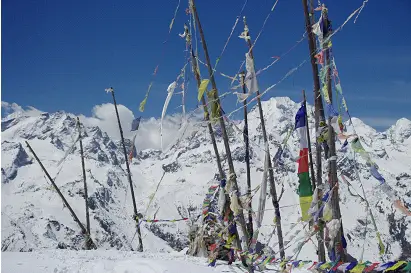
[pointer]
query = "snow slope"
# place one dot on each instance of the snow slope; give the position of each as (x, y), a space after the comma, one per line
(33, 217)
(64, 261)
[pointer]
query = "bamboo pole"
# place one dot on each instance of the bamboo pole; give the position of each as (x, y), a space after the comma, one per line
(232, 175)
(333, 179)
(84, 179)
(273, 190)
(247, 159)
(319, 116)
(135, 217)
(83, 229)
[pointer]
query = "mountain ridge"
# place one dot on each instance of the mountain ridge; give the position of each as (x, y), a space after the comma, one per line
(189, 166)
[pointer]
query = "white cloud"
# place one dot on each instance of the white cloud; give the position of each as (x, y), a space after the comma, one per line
(104, 116)
(14, 110)
(148, 134)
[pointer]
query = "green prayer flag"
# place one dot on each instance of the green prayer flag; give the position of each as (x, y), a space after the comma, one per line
(407, 268)
(304, 187)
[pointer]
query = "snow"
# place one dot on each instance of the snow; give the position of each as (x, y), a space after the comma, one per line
(64, 261)
(401, 130)
(33, 218)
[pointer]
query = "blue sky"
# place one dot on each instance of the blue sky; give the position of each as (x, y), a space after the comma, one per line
(63, 54)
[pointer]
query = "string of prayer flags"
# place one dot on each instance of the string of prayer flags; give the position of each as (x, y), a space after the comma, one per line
(163, 220)
(144, 101)
(327, 267)
(320, 58)
(207, 200)
(318, 30)
(170, 27)
(304, 189)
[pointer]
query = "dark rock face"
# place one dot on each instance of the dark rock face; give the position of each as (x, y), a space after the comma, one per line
(176, 241)
(101, 198)
(403, 176)
(239, 154)
(112, 179)
(397, 230)
(172, 167)
(57, 142)
(150, 153)
(21, 158)
(7, 124)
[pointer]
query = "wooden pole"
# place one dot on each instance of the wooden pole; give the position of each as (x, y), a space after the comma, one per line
(333, 179)
(83, 229)
(309, 144)
(207, 116)
(232, 175)
(84, 179)
(319, 116)
(140, 241)
(212, 135)
(247, 159)
(273, 190)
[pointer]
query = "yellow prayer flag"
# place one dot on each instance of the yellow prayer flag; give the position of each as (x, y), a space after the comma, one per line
(143, 104)
(380, 244)
(326, 265)
(358, 268)
(395, 266)
(305, 203)
(202, 88)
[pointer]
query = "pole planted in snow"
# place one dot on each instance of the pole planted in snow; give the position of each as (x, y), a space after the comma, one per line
(216, 99)
(247, 158)
(273, 190)
(135, 217)
(211, 131)
(85, 180)
(332, 175)
(83, 229)
(318, 116)
(207, 115)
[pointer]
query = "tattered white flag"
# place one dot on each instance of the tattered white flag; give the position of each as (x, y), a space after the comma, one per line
(170, 91)
(250, 79)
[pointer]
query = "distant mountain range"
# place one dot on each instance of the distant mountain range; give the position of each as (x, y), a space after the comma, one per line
(34, 218)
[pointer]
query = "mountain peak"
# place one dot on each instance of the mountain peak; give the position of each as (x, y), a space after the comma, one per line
(401, 130)
(185, 171)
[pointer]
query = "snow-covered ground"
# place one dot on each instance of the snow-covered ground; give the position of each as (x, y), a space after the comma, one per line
(34, 219)
(65, 261)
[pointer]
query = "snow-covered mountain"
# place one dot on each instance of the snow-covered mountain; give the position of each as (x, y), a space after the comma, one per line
(34, 218)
